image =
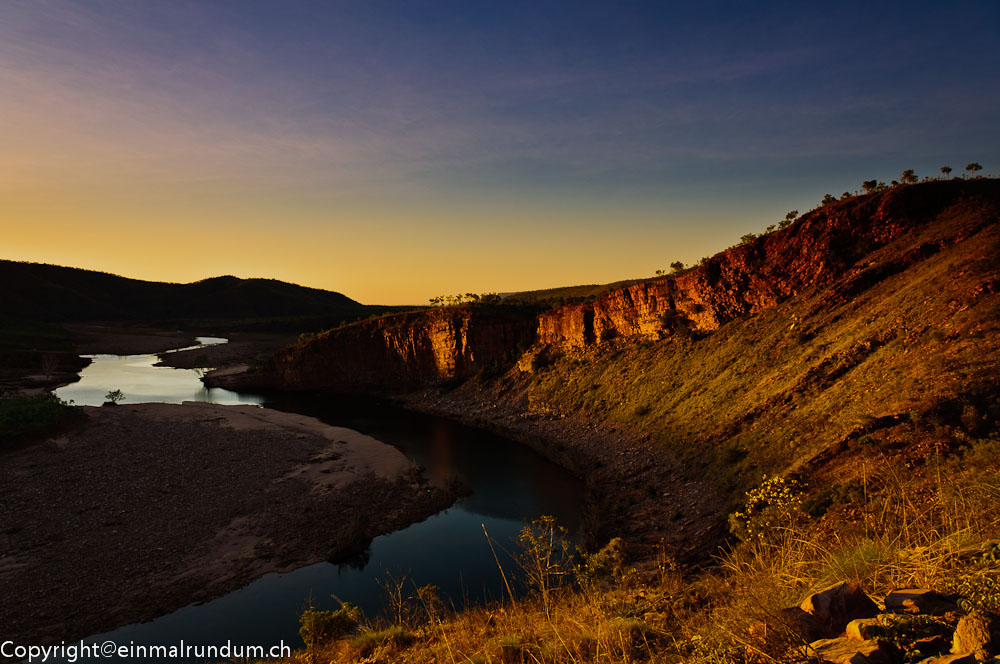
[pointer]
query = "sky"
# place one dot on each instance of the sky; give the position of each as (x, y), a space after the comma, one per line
(397, 151)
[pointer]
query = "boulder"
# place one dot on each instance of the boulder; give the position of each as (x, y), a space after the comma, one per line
(932, 645)
(967, 658)
(791, 627)
(973, 635)
(850, 651)
(918, 600)
(861, 629)
(839, 604)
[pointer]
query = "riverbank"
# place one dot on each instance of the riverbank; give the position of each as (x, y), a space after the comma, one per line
(41, 362)
(143, 509)
(637, 490)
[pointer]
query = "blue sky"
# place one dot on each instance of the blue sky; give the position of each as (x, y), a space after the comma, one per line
(399, 150)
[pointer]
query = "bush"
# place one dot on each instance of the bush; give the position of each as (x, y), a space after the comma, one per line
(546, 558)
(21, 417)
(318, 627)
(772, 507)
(606, 564)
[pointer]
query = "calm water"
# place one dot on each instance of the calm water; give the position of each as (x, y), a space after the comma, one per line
(510, 484)
(141, 382)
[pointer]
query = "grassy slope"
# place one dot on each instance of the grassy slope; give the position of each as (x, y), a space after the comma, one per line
(880, 392)
(772, 391)
(733, 611)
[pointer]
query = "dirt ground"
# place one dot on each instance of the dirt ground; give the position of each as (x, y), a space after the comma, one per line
(96, 339)
(146, 508)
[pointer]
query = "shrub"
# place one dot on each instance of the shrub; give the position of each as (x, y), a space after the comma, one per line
(606, 564)
(318, 627)
(546, 558)
(772, 507)
(21, 417)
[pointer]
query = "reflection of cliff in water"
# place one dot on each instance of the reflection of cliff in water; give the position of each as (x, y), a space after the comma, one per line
(510, 484)
(508, 480)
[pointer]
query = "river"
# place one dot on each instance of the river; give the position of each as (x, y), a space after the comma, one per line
(510, 484)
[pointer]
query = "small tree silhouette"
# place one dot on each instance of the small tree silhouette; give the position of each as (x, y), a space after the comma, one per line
(676, 266)
(829, 199)
(789, 218)
(114, 396)
(973, 168)
(870, 186)
(908, 176)
(946, 171)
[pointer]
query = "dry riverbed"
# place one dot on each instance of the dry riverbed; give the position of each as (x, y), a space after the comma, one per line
(146, 508)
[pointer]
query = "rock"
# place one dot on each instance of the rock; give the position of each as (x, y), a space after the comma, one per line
(791, 627)
(838, 605)
(850, 651)
(797, 621)
(967, 658)
(918, 600)
(972, 635)
(931, 645)
(862, 628)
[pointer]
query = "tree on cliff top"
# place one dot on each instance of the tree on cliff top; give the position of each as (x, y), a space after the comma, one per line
(789, 218)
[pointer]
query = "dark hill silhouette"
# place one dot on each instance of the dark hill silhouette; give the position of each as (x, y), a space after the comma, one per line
(51, 292)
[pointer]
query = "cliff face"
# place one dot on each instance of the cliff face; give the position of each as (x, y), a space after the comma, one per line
(833, 248)
(741, 281)
(406, 350)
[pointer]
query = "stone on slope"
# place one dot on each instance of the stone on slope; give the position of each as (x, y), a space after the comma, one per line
(973, 635)
(918, 600)
(839, 604)
(850, 651)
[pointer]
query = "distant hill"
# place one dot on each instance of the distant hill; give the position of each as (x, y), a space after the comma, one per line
(50, 292)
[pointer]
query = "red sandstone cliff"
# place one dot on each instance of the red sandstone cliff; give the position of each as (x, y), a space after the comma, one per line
(824, 247)
(405, 350)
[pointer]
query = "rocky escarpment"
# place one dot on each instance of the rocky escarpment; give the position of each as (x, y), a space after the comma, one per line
(829, 248)
(405, 351)
(815, 251)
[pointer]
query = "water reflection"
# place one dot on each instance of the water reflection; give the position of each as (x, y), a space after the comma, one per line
(511, 484)
(142, 382)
